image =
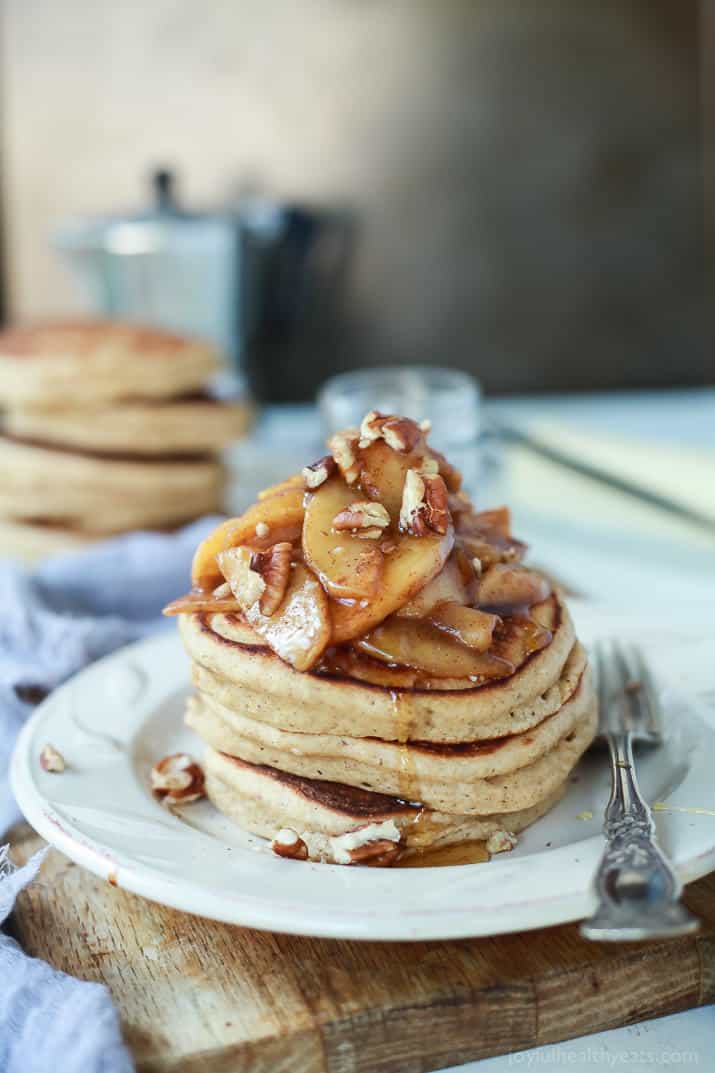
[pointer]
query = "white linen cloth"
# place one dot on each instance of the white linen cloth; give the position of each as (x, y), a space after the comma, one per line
(74, 609)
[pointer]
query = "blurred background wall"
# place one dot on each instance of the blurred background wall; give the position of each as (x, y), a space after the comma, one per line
(525, 177)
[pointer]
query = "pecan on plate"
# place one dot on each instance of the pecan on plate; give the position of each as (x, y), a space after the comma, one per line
(177, 779)
(288, 843)
(51, 759)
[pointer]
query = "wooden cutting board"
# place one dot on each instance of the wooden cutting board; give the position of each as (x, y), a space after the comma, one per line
(201, 997)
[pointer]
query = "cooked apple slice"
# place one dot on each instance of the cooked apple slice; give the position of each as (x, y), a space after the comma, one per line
(268, 522)
(521, 634)
(506, 587)
(200, 602)
(347, 566)
(468, 625)
(418, 644)
(382, 472)
(448, 585)
(412, 563)
(346, 661)
(299, 630)
(497, 521)
(486, 535)
(205, 573)
(450, 474)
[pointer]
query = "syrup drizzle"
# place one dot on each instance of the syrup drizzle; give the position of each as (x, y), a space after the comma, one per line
(407, 778)
(443, 856)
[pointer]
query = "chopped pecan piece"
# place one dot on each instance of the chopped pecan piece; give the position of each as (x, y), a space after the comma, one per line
(273, 566)
(177, 779)
(363, 519)
(319, 472)
(501, 842)
(288, 843)
(379, 853)
(51, 759)
(399, 433)
(343, 446)
(424, 504)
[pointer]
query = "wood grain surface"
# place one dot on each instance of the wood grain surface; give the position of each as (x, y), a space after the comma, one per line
(201, 997)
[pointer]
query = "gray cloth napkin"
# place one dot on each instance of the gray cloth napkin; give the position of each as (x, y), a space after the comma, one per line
(74, 609)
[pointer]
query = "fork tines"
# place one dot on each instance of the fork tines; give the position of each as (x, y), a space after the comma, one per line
(627, 695)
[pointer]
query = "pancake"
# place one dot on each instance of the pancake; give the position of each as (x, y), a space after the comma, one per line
(284, 715)
(263, 800)
(505, 774)
(84, 363)
(377, 764)
(180, 426)
(31, 542)
(242, 667)
(104, 495)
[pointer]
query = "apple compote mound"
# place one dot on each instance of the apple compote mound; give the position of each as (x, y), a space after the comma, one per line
(377, 676)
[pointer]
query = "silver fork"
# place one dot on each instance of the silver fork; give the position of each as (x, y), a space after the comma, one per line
(638, 891)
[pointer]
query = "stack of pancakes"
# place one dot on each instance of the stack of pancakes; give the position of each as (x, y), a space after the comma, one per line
(346, 730)
(107, 427)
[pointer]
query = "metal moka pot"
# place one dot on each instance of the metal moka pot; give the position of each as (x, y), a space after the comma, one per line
(167, 267)
(260, 281)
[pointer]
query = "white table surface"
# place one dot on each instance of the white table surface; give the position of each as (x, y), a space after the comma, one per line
(606, 546)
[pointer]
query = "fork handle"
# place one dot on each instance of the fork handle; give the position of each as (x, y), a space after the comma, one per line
(637, 889)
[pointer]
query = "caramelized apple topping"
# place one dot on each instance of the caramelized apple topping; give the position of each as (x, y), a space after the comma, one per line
(424, 504)
(273, 566)
(269, 521)
(347, 568)
(247, 584)
(418, 644)
(343, 447)
(198, 602)
(447, 587)
(449, 473)
(319, 472)
(507, 587)
(459, 504)
(327, 561)
(399, 433)
(485, 535)
(468, 625)
(363, 519)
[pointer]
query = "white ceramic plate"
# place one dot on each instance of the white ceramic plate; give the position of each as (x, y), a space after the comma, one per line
(117, 717)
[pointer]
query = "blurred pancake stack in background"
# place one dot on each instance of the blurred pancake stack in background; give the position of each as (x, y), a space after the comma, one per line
(107, 427)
